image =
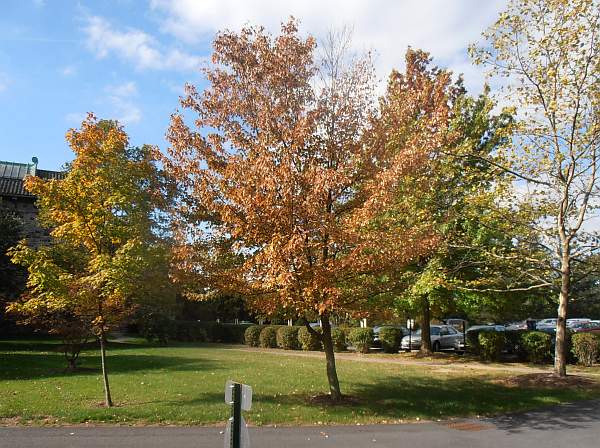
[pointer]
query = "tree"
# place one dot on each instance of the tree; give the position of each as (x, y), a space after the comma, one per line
(101, 221)
(457, 191)
(547, 50)
(285, 175)
(12, 278)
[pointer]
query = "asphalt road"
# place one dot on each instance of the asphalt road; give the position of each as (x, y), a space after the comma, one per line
(573, 426)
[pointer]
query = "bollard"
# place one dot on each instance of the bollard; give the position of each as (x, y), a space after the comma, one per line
(239, 397)
(236, 414)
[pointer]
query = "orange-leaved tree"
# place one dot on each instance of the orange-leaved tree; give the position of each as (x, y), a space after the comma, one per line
(284, 181)
(101, 220)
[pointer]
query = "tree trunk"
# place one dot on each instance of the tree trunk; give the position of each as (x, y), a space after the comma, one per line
(334, 384)
(560, 353)
(107, 398)
(425, 328)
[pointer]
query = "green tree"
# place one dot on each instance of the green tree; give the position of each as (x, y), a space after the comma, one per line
(458, 194)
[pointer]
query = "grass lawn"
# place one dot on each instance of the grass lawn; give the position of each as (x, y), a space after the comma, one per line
(184, 384)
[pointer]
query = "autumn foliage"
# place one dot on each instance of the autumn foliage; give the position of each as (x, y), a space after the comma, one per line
(104, 254)
(289, 179)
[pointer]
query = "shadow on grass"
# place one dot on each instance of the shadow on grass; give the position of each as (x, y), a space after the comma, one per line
(434, 398)
(429, 398)
(24, 366)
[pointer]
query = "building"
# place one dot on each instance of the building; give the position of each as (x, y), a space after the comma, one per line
(14, 196)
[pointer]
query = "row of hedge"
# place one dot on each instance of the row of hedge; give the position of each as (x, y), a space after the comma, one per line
(164, 330)
(300, 338)
(533, 346)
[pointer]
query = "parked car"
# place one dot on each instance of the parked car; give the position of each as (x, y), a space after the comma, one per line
(544, 323)
(527, 324)
(576, 321)
(442, 338)
(459, 324)
(586, 327)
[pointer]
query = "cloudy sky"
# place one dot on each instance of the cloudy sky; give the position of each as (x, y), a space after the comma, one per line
(128, 59)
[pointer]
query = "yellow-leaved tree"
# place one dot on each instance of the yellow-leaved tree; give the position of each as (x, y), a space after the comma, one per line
(101, 220)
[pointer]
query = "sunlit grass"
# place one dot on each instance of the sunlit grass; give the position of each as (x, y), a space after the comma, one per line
(184, 384)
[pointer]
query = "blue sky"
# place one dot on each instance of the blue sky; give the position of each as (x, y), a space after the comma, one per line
(128, 59)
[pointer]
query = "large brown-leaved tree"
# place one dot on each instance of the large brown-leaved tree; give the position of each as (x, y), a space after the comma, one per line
(287, 175)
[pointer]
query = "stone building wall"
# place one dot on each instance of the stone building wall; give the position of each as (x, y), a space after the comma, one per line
(25, 208)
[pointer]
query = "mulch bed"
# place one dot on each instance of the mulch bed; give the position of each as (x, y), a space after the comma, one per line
(547, 381)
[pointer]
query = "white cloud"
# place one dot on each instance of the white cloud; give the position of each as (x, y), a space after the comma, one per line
(4, 81)
(388, 26)
(123, 90)
(117, 103)
(69, 70)
(121, 101)
(75, 118)
(136, 46)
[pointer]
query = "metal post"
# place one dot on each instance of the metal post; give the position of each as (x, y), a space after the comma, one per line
(236, 412)
(410, 335)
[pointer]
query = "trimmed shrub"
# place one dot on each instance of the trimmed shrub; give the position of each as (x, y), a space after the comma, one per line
(339, 339)
(390, 338)
(585, 347)
(307, 340)
(252, 335)
(287, 338)
(491, 344)
(537, 345)
(268, 337)
(361, 339)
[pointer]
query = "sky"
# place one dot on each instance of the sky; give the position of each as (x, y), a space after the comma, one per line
(129, 59)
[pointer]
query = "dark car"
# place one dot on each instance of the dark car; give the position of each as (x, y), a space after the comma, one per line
(586, 327)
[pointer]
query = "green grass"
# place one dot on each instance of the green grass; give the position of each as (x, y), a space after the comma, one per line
(184, 384)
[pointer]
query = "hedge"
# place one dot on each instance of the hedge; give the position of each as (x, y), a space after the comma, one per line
(307, 340)
(190, 331)
(537, 345)
(361, 339)
(252, 335)
(164, 329)
(390, 338)
(268, 337)
(156, 326)
(491, 344)
(338, 336)
(287, 338)
(585, 347)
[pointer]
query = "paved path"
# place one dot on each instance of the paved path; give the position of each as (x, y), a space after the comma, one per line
(572, 425)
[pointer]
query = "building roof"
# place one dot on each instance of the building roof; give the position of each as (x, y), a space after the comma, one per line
(12, 175)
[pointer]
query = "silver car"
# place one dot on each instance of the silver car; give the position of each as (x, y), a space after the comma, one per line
(443, 337)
